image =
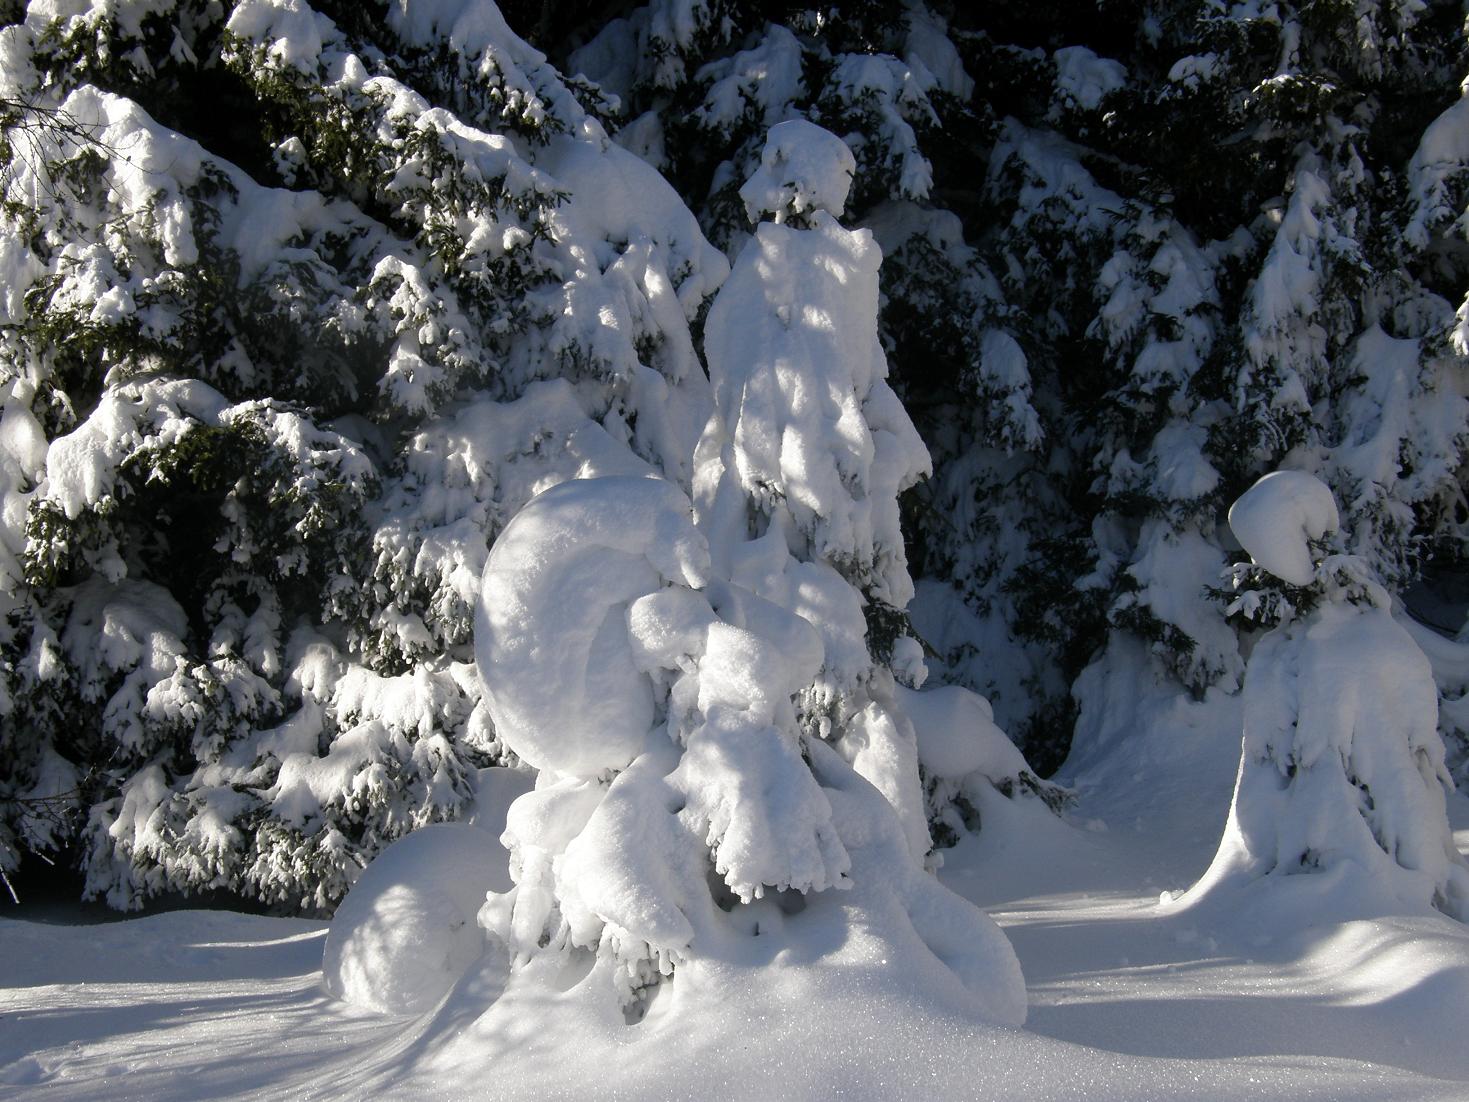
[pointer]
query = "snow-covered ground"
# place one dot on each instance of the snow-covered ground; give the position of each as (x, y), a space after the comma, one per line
(1126, 1001)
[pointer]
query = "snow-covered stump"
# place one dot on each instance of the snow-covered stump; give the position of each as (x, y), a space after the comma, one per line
(727, 776)
(1342, 771)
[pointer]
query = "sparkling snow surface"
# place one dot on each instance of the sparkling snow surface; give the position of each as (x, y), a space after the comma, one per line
(1125, 1002)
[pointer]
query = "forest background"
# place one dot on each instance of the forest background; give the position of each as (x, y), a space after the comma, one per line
(299, 306)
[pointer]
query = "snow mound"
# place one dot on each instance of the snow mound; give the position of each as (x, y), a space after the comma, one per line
(1276, 518)
(802, 168)
(957, 734)
(406, 931)
(895, 932)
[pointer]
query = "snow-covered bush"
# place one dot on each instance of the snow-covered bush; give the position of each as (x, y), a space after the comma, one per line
(707, 686)
(1342, 768)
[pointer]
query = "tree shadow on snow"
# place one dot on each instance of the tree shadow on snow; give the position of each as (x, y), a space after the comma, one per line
(1378, 991)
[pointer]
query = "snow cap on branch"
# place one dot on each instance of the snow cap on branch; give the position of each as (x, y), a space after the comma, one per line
(552, 642)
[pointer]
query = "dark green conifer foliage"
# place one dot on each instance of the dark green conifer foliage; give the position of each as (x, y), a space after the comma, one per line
(269, 294)
(1160, 249)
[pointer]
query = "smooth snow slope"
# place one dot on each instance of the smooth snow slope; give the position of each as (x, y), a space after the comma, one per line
(1125, 1004)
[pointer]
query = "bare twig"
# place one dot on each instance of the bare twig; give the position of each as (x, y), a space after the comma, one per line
(29, 129)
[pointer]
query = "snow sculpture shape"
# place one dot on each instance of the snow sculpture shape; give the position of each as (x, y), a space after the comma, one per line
(1342, 766)
(712, 723)
(551, 637)
(588, 604)
(595, 649)
(1276, 519)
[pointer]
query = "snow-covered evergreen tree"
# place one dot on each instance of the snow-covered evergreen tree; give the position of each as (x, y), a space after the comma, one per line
(1295, 315)
(1342, 768)
(258, 439)
(698, 85)
(1213, 223)
(709, 688)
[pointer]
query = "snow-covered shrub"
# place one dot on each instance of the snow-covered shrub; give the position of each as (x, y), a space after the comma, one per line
(1342, 768)
(707, 686)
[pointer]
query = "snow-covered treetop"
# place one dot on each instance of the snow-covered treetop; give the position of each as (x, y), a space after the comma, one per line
(1278, 518)
(818, 438)
(803, 168)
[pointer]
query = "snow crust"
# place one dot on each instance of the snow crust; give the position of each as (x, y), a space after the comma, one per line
(1167, 568)
(1436, 171)
(767, 77)
(615, 866)
(897, 93)
(1128, 1003)
(928, 47)
(477, 31)
(1084, 80)
(1276, 519)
